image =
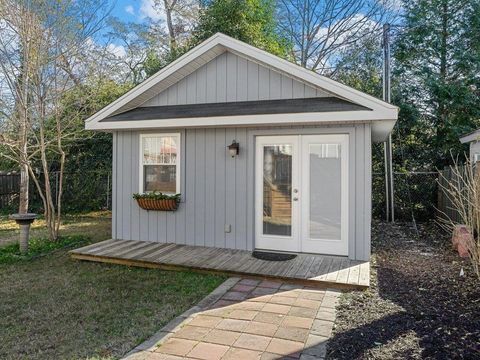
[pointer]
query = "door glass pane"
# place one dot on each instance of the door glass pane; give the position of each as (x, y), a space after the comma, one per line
(277, 190)
(325, 191)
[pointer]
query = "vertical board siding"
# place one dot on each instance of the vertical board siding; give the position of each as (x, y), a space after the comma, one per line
(189, 196)
(217, 189)
(240, 191)
(220, 176)
(230, 194)
(200, 186)
(230, 77)
(135, 179)
(210, 187)
(114, 183)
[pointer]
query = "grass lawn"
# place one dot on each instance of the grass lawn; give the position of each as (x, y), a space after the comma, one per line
(53, 307)
(96, 225)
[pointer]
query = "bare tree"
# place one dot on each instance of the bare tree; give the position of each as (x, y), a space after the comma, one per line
(319, 29)
(180, 17)
(41, 47)
(136, 41)
(463, 192)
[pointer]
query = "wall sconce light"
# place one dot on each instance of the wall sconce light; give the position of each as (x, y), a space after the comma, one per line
(233, 148)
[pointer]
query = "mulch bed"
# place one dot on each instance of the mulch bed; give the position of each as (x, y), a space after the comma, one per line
(418, 305)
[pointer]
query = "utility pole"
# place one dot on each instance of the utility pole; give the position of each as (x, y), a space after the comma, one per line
(389, 194)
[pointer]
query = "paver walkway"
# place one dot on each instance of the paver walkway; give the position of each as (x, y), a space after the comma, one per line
(249, 319)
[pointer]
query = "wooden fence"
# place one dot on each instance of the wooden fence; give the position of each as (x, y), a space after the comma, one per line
(446, 209)
(9, 188)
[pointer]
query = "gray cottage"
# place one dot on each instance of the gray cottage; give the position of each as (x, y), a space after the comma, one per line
(265, 154)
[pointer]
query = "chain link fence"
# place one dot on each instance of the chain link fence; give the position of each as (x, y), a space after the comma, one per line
(86, 191)
(415, 195)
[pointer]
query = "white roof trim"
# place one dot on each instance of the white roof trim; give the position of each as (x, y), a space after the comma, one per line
(473, 136)
(381, 127)
(218, 44)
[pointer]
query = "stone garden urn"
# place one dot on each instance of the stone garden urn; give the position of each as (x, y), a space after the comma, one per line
(24, 221)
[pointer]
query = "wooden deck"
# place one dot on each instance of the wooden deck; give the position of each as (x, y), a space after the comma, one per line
(308, 269)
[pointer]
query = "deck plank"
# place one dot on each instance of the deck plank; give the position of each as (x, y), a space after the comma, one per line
(364, 278)
(95, 245)
(148, 252)
(147, 247)
(314, 267)
(354, 274)
(307, 269)
(105, 247)
(343, 272)
(114, 249)
(153, 256)
(323, 269)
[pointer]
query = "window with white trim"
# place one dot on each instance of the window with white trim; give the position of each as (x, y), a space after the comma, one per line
(159, 163)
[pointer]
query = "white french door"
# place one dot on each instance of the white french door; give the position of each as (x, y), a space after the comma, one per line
(301, 193)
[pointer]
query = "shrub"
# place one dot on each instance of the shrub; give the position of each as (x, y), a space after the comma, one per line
(463, 192)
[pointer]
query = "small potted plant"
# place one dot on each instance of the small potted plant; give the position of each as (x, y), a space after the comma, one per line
(157, 201)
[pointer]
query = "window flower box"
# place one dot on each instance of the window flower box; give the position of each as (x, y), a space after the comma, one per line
(157, 201)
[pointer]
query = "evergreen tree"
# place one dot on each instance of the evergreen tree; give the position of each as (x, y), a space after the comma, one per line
(251, 21)
(437, 70)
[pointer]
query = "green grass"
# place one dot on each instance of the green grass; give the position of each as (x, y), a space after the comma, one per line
(38, 247)
(52, 307)
(96, 225)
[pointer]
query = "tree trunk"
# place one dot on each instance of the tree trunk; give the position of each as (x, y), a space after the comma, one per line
(171, 31)
(442, 106)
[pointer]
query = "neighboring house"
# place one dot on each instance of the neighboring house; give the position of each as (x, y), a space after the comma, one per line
(301, 181)
(473, 139)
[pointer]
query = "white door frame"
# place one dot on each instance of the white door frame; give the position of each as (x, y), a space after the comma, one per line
(298, 242)
(276, 242)
(324, 246)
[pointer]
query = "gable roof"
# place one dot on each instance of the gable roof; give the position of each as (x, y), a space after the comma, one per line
(376, 110)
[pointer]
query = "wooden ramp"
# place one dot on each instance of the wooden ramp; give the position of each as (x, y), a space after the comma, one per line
(307, 269)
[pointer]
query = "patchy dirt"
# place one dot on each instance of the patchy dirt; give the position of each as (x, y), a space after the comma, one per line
(418, 305)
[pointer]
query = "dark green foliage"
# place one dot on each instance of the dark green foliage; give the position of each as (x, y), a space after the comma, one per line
(437, 66)
(157, 195)
(36, 247)
(251, 21)
(360, 66)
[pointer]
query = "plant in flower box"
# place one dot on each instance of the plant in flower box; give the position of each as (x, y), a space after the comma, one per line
(156, 200)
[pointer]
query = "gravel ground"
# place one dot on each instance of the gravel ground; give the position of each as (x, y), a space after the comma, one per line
(418, 305)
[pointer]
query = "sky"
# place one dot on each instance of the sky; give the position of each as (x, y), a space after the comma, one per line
(133, 10)
(128, 11)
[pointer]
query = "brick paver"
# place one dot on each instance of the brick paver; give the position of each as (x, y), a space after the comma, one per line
(250, 319)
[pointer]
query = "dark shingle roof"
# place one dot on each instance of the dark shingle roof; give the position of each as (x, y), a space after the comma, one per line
(262, 107)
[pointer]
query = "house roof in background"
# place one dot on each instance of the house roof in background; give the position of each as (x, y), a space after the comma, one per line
(472, 136)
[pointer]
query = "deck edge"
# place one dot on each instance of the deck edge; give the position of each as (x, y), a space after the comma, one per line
(154, 265)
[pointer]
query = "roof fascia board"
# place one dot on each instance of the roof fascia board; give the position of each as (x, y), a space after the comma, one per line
(154, 79)
(246, 120)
